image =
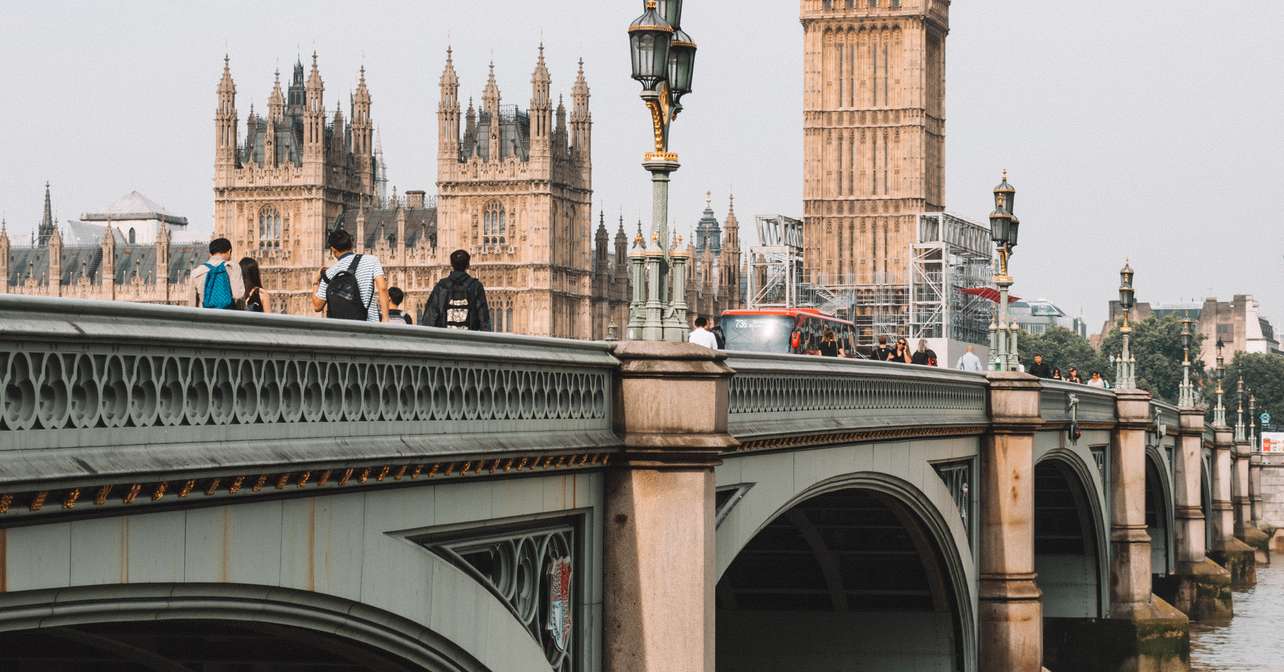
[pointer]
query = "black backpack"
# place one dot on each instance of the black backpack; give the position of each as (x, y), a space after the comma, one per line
(459, 306)
(343, 294)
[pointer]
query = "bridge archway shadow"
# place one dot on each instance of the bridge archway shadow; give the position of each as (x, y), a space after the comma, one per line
(1159, 517)
(216, 628)
(857, 577)
(1069, 550)
(178, 646)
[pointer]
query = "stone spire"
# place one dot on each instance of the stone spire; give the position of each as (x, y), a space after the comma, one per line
(559, 132)
(314, 116)
(490, 106)
(448, 111)
(381, 170)
(298, 90)
(225, 121)
(276, 100)
(705, 228)
(602, 238)
(363, 128)
(541, 113)
(581, 118)
(731, 228)
(621, 253)
(47, 228)
(470, 127)
(730, 266)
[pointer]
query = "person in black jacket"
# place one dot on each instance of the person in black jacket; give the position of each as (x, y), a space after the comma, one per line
(1040, 368)
(459, 300)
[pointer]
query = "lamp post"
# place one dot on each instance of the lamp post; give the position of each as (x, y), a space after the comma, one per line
(1186, 397)
(663, 57)
(1004, 227)
(1239, 410)
(1219, 411)
(1252, 420)
(1126, 367)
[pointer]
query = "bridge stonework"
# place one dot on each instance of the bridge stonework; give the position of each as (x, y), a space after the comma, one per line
(416, 499)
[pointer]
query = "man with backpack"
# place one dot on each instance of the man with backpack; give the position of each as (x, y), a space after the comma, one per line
(218, 284)
(353, 287)
(459, 300)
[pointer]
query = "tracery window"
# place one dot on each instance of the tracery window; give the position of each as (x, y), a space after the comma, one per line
(269, 228)
(494, 225)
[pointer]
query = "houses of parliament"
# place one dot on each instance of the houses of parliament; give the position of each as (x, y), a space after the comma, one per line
(514, 188)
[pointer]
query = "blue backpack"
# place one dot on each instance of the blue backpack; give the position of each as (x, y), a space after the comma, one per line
(218, 287)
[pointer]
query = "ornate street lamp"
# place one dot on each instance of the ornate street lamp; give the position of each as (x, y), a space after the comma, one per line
(1004, 226)
(663, 57)
(1219, 411)
(1252, 420)
(1186, 397)
(1126, 367)
(1239, 410)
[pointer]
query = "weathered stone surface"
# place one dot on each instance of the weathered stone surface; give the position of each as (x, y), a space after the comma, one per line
(1152, 638)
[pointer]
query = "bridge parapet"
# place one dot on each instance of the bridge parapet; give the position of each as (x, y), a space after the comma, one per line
(1091, 406)
(103, 391)
(782, 401)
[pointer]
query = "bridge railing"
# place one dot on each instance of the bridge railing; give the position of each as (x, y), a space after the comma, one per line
(789, 400)
(102, 388)
(1062, 402)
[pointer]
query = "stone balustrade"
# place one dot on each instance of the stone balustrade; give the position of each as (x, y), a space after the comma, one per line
(100, 389)
(787, 400)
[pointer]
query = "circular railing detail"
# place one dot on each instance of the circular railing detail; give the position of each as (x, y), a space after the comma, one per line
(62, 390)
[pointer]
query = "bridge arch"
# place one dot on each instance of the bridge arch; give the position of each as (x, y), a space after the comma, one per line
(839, 533)
(1206, 498)
(1160, 516)
(1071, 542)
(102, 621)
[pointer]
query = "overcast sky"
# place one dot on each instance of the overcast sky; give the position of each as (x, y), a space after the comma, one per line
(1131, 129)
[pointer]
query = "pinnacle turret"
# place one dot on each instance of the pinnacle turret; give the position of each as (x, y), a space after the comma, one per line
(46, 229)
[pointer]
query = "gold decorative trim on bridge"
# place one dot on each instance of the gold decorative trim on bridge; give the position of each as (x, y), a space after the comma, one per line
(232, 486)
(826, 439)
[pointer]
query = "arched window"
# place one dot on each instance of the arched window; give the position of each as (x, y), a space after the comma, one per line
(494, 226)
(131, 235)
(269, 228)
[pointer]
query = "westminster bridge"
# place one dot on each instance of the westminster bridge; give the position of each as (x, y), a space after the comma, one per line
(200, 490)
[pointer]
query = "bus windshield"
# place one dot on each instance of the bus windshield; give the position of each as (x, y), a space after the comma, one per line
(758, 333)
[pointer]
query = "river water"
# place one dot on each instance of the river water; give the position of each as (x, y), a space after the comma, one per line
(1253, 641)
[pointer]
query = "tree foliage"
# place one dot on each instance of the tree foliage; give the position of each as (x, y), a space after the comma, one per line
(1264, 375)
(1157, 346)
(1062, 348)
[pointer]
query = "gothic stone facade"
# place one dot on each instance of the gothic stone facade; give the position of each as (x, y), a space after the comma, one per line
(715, 263)
(515, 190)
(874, 134)
(112, 269)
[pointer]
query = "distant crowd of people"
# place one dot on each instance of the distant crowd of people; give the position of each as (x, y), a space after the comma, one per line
(899, 352)
(1043, 369)
(351, 287)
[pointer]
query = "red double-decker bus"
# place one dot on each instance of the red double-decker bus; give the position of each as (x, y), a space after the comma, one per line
(785, 330)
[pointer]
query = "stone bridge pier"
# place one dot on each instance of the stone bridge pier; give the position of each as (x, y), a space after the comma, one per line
(366, 497)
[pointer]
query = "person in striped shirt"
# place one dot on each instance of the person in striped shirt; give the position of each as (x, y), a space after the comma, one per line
(370, 279)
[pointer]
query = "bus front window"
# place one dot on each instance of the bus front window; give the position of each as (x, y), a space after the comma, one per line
(758, 333)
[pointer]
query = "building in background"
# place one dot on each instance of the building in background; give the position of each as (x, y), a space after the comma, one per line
(298, 173)
(1237, 323)
(514, 189)
(99, 261)
(715, 272)
(1037, 316)
(877, 246)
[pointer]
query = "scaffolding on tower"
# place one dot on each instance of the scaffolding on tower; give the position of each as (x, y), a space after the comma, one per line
(950, 255)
